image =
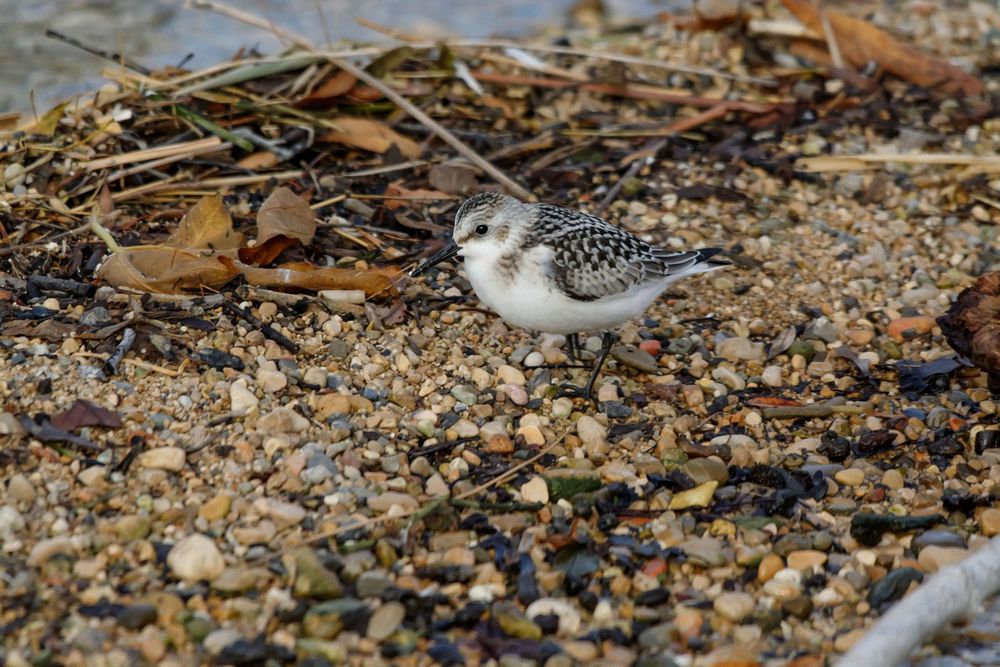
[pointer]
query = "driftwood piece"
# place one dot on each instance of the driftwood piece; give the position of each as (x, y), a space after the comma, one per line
(953, 592)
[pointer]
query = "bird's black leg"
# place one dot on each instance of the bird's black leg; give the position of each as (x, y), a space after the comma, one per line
(573, 347)
(587, 392)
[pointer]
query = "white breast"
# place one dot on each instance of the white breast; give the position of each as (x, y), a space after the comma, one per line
(531, 299)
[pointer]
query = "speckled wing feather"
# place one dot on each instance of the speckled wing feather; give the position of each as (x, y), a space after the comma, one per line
(593, 259)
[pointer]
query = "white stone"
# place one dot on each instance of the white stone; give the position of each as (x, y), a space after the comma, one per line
(195, 558)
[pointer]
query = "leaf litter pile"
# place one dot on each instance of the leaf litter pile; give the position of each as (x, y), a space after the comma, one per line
(236, 433)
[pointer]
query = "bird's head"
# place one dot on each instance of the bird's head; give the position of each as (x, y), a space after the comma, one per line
(486, 225)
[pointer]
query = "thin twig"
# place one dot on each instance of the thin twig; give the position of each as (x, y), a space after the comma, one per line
(831, 41)
(507, 182)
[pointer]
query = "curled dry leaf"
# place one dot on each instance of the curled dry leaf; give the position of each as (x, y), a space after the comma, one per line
(335, 85)
(860, 42)
(187, 260)
(208, 226)
(370, 135)
(165, 270)
(287, 214)
(300, 275)
(264, 253)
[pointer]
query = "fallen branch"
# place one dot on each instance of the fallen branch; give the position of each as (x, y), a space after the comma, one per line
(953, 592)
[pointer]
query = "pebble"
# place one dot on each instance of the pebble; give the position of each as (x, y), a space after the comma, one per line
(772, 376)
(739, 349)
(163, 458)
(217, 640)
(892, 479)
(591, 431)
(806, 560)
(699, 496)
(196, 558)
(241, 399)
(785, 583)
(932, 558)
(386, 620)
(510, 375)
(514, 623)
(19, 489)
(271, 380)
(989, 522)
(311, 578)
(704, 551)
(284, 514)
(850, 477)
(706, 470)
(282, 420)
(393, 501)
(769, 565)
(535, 490)
(569, 618)
(137, 616)
(730, 378)
(902, 328)
(734, 606)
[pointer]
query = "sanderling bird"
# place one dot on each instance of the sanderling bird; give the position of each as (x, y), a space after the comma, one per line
(561, 271)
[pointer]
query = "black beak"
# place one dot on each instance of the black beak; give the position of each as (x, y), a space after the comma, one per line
(447, 251)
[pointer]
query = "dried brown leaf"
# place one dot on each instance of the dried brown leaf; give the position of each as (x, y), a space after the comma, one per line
(300, 275)
(370, 135)
(861, 42)
(287, 214)
(165, 270)
(207, 225)
(264, 253)
(84, 413)
(335, 85)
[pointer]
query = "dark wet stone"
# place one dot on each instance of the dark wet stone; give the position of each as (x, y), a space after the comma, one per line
(868, 528)
(799, 606)
(328, 619)
(635, 358)
(219, 359)
(95, 316)
(892, 586)
(802, 348)
(137, 616)
(653, 598)
(939, 538)
(946, 446)
(372, 584)
(786, 544)
(987, 440)
(872, 442)
(615, 409)
(243, 652)
(446, 654)
(834, 446)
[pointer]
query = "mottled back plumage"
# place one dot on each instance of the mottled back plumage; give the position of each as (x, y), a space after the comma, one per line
(592, 258)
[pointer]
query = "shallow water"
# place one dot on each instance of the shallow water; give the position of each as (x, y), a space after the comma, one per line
(155, 33)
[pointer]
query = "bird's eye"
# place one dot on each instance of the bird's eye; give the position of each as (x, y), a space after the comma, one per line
(482, 229)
